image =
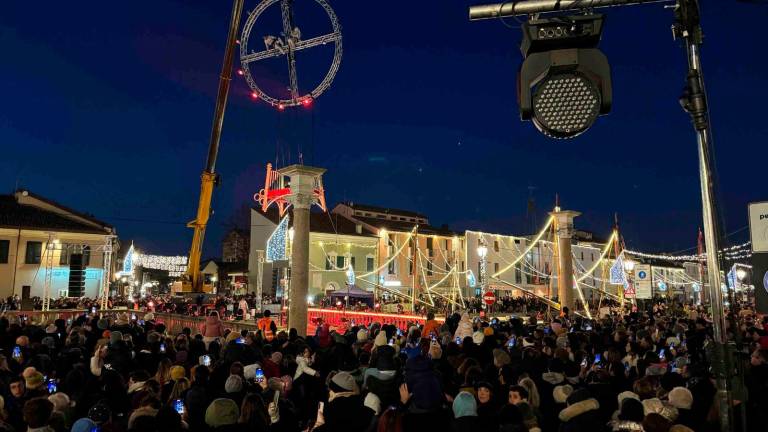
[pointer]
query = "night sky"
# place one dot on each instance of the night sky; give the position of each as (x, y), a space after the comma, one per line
(107, 108)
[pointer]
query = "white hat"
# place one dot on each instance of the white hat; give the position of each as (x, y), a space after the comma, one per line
(478, 337)
(681, 398)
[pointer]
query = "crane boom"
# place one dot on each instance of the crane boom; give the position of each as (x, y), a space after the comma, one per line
(192, 280)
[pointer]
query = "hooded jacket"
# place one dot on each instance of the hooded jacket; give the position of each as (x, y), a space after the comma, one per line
(213, 327)
(581, 416)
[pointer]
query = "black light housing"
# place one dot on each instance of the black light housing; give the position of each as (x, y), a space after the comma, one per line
(565, 81)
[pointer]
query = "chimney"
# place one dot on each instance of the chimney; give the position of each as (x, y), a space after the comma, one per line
(359, 228)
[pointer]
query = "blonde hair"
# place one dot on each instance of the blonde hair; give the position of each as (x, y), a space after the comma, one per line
(533, 391)
(163, 374)
(179, 387)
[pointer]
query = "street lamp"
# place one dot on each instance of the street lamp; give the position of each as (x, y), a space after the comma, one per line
(629, 265)
(482, 252)
(741, 274)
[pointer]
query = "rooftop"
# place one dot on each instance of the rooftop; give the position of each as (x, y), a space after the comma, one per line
(322, 222)
(13, 214)
(370, 208)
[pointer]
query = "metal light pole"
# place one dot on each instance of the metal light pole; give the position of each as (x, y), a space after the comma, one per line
(688, 27)
(482, 252)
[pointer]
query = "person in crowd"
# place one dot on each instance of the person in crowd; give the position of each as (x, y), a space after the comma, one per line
(628, 370)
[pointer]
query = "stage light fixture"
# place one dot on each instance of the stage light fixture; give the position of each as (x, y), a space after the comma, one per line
(564, 82)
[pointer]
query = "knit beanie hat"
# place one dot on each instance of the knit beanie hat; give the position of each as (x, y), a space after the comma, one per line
(362, 336)
(343, 382)
(32, 378)
(381, 339)
(561, 393)
(681, 398)
(222, 412)
(178, 372)
(249, 372)
(464, 405)
(234, 384)
(60, 401)
(83, 425)
(276, 357)
(478, 337)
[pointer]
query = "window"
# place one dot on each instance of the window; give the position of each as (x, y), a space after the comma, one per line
(592, 256)
(582, 255)
(352, 262)
(495, 245)
(495, 267)
(86, 256)
(391, 267)
(381, 216)
(369, 263)
(66, 249)
(410, 267)
(33, 253)
(340, 262)
(462, 266)
(429, 268)
(367, 215)
(429, 243)
(517, 241)
(4, 246)
(446, 244)
(329, 262)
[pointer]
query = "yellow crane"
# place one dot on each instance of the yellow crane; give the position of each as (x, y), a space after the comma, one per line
(192, 280)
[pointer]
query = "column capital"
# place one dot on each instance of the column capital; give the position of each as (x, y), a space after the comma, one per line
(303, 180)
(564, 222)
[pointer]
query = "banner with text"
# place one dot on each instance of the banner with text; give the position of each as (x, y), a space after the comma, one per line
(643, 283)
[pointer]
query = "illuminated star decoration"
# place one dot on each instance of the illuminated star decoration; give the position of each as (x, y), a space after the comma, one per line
(350, 275)
(277, 242)
(128, 262)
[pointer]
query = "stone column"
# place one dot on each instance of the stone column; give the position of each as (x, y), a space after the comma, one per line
(564, 224)
(302, 196)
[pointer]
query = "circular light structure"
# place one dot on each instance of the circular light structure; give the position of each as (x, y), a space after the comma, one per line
(258, 47)
(565, 106)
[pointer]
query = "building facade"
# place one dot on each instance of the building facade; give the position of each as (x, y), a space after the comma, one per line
(337, 245)
(418, 259)
(42, 240)
(235, 246)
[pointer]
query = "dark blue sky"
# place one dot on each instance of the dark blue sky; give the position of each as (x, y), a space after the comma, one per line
(107, 108)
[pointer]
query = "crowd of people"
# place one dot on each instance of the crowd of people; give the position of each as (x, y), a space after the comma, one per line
(633, 371)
